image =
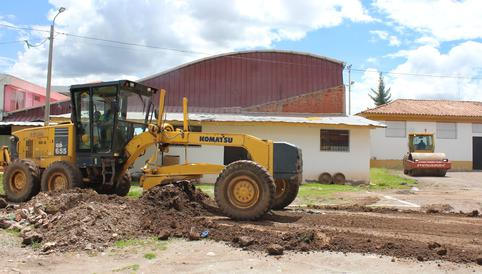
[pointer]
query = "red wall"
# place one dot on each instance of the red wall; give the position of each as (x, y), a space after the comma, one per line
(254, 78)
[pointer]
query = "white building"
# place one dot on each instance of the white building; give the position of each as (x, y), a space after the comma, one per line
(457, 126)
(329, 144)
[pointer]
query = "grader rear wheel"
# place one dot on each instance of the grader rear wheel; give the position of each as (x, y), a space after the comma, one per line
(286, 192)
(244, 190)
(61, 176)
(21, 180)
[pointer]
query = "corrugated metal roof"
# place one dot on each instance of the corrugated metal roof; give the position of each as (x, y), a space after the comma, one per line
(19, 123)
(233, 55)
(242, 118)
(318, 120)
(243, 79)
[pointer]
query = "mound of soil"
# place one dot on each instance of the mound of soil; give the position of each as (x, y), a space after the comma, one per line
(81, 219)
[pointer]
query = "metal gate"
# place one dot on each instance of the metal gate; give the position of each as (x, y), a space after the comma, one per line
(477, 152)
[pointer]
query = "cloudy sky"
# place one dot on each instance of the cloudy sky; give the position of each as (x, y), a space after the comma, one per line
(425, 48)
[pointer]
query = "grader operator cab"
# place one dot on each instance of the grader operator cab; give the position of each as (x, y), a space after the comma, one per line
(422, 159)
(112, 126)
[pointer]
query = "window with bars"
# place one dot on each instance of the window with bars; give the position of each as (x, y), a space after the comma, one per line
(395, 129)
(476, 128)
(334, 140)
(446, 130)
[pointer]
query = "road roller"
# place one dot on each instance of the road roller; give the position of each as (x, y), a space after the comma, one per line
(421, 160)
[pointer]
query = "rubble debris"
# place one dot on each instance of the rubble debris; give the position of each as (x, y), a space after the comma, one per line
(81, 219)
(245, 241)
(3, 203)
(479, 260)
(437, 208)
(31, 237)
(163, 235)
(473, 213)
(275, 249)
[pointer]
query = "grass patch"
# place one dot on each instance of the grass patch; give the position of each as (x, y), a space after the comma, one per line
(382, 178)
(206, 188)
(128, 242)
(153, 242)
(135, 191)
(1, 184)
(36, 245)
(133, 267)
(14, 232)
(150, 256)
(313, 193)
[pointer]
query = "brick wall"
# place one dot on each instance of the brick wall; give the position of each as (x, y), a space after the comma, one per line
(323, 101)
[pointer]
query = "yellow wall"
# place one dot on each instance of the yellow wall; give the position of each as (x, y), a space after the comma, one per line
(397, 164)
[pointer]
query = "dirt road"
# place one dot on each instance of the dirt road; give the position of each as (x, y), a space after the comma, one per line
(458, 191)
(181, 256)
(83, 221)
(461, 190)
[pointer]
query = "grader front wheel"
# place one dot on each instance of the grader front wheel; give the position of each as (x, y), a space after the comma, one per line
(60, 176)
(244, 190)
(21, 180)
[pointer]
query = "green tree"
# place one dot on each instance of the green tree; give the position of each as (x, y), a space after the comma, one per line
(382, 95)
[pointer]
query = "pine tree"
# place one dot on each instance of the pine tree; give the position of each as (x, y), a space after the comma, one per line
(381, 96)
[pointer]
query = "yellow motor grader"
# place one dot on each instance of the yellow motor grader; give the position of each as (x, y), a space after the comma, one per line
(104, 139)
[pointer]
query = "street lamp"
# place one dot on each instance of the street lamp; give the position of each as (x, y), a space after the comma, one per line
(49, 69)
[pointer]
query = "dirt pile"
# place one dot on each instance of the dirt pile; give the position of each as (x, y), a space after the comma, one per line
(85, 220)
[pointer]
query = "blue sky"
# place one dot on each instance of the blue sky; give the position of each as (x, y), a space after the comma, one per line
(439, 38)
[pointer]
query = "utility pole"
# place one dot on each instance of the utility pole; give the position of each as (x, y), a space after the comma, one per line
(49, 69)
(349, 89)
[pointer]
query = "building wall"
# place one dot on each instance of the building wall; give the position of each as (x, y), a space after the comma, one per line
(355, 164)
(33, 95)
(12, 94)
(389, 151)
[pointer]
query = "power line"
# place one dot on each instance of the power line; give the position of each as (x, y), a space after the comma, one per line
(22, 28)
(234, 57)
(11, 42)
(458, 76)
(36, 45)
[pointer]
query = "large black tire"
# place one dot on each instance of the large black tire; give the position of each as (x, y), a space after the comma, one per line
(286, 192)
(244, 190)
(21, 180)
(123, 185)
(442, 173)
(325, 178)
(61, 175)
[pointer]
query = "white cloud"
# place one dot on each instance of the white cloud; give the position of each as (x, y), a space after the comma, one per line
(445, 20)
(200, 26)
(361, 89)
(463, 61)
(427, 40)
(383, 35)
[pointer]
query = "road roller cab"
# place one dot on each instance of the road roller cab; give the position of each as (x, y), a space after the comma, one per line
(422, 159)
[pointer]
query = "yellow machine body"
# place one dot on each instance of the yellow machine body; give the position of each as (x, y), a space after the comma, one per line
(56, 156)
(45, 145)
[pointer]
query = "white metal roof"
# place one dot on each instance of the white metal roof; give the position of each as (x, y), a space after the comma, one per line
(320, 120)
(316, 120)
(21, 123)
